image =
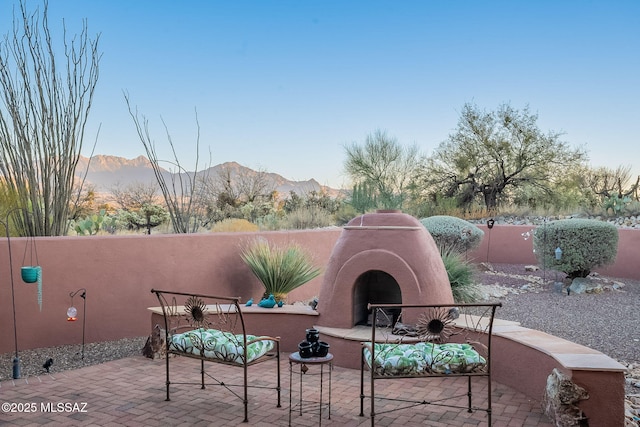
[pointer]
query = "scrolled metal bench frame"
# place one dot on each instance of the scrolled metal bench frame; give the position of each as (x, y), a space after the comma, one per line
(455, 323)
(212, 312)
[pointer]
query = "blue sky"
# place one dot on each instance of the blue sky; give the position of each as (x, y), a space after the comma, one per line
(285, 85)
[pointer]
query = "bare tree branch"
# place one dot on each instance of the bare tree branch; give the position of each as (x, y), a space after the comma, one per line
(181, 193)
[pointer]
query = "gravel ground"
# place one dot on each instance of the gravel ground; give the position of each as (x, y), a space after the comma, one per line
(606, 321)
(69, 357)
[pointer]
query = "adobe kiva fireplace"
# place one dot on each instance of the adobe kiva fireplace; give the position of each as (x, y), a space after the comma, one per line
(382, 257)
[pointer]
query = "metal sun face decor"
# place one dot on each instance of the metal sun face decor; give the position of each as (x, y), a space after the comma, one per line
(196, 311)
(436, 325)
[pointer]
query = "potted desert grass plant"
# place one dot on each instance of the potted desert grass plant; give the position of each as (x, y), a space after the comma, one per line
(280, 268)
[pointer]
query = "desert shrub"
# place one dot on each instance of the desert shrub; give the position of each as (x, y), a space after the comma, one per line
(307, 217)
(345, 214)
(280, 268)
(453, 234)
(233, 225)
(422, 207)
(461, 277)
(632, 208)
(270, 222)
(585, 244)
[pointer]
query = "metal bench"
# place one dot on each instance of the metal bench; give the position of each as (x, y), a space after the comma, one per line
(427, 341)
(212, 329)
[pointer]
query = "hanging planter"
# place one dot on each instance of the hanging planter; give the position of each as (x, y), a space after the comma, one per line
(31, 273)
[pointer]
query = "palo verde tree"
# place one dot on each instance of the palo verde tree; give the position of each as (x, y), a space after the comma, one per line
(43, 113)
(493, 152)
(383, 166)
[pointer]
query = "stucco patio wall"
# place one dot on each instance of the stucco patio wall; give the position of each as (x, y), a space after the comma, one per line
(505, 244)
(119, 271)
(118, 274)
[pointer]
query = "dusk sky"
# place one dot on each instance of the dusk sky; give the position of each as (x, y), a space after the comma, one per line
(285, 85)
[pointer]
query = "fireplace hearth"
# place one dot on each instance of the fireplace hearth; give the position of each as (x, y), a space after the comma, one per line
(383, 257)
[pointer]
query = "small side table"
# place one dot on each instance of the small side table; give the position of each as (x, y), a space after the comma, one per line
(302, 362)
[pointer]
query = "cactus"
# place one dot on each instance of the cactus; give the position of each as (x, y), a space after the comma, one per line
(92, 224)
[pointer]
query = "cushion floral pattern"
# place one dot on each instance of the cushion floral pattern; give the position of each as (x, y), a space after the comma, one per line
(215, 344)
(423, 358)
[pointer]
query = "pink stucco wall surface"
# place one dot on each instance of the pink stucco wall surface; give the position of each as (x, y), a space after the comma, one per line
(505, 244)
(119, 272)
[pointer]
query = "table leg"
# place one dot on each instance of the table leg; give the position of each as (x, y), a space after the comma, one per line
(330, 372)
(290, 388)
(321, 381)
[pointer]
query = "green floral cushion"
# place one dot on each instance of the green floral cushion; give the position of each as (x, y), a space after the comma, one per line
(423, 358)
(215, 344)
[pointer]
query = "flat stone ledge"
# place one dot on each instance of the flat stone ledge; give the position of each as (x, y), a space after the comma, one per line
(285, 309)
(569, 354)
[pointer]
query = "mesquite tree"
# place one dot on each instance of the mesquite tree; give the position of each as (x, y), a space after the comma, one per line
(493, 152)
(43, 113)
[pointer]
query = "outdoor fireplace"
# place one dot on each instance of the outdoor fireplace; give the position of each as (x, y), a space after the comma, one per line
(383, 257)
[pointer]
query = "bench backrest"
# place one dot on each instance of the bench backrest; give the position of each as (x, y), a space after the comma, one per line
(187, 311)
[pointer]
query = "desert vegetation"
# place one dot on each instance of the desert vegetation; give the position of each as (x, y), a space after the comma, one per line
(495, 162)
(575, 246)
(280, 268)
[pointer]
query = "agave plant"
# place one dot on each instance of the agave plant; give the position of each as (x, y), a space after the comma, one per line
(281, 269)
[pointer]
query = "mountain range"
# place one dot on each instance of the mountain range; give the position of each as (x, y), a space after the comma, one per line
(106, 172)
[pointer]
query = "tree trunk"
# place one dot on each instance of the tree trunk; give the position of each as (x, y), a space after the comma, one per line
(491, 198)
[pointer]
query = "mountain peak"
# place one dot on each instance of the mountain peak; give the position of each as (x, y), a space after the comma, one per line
(106, 172)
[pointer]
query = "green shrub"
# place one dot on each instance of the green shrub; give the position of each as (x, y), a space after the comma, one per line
(453, 234)
(280, 268)
(270, 222)
(585, 244)
(345, 214)
(306, 218)
(461, 277)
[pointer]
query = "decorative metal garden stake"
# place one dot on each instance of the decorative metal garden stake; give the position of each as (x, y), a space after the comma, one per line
(72, 312)
(490, 224)
(558, 255)
(544, 249)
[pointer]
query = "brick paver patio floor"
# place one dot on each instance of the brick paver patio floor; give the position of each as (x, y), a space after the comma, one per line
(131, 392)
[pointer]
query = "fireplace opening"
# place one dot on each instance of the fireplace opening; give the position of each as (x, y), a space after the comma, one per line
(375, 287)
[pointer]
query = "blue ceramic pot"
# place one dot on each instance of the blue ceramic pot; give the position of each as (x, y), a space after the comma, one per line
(30, 274)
